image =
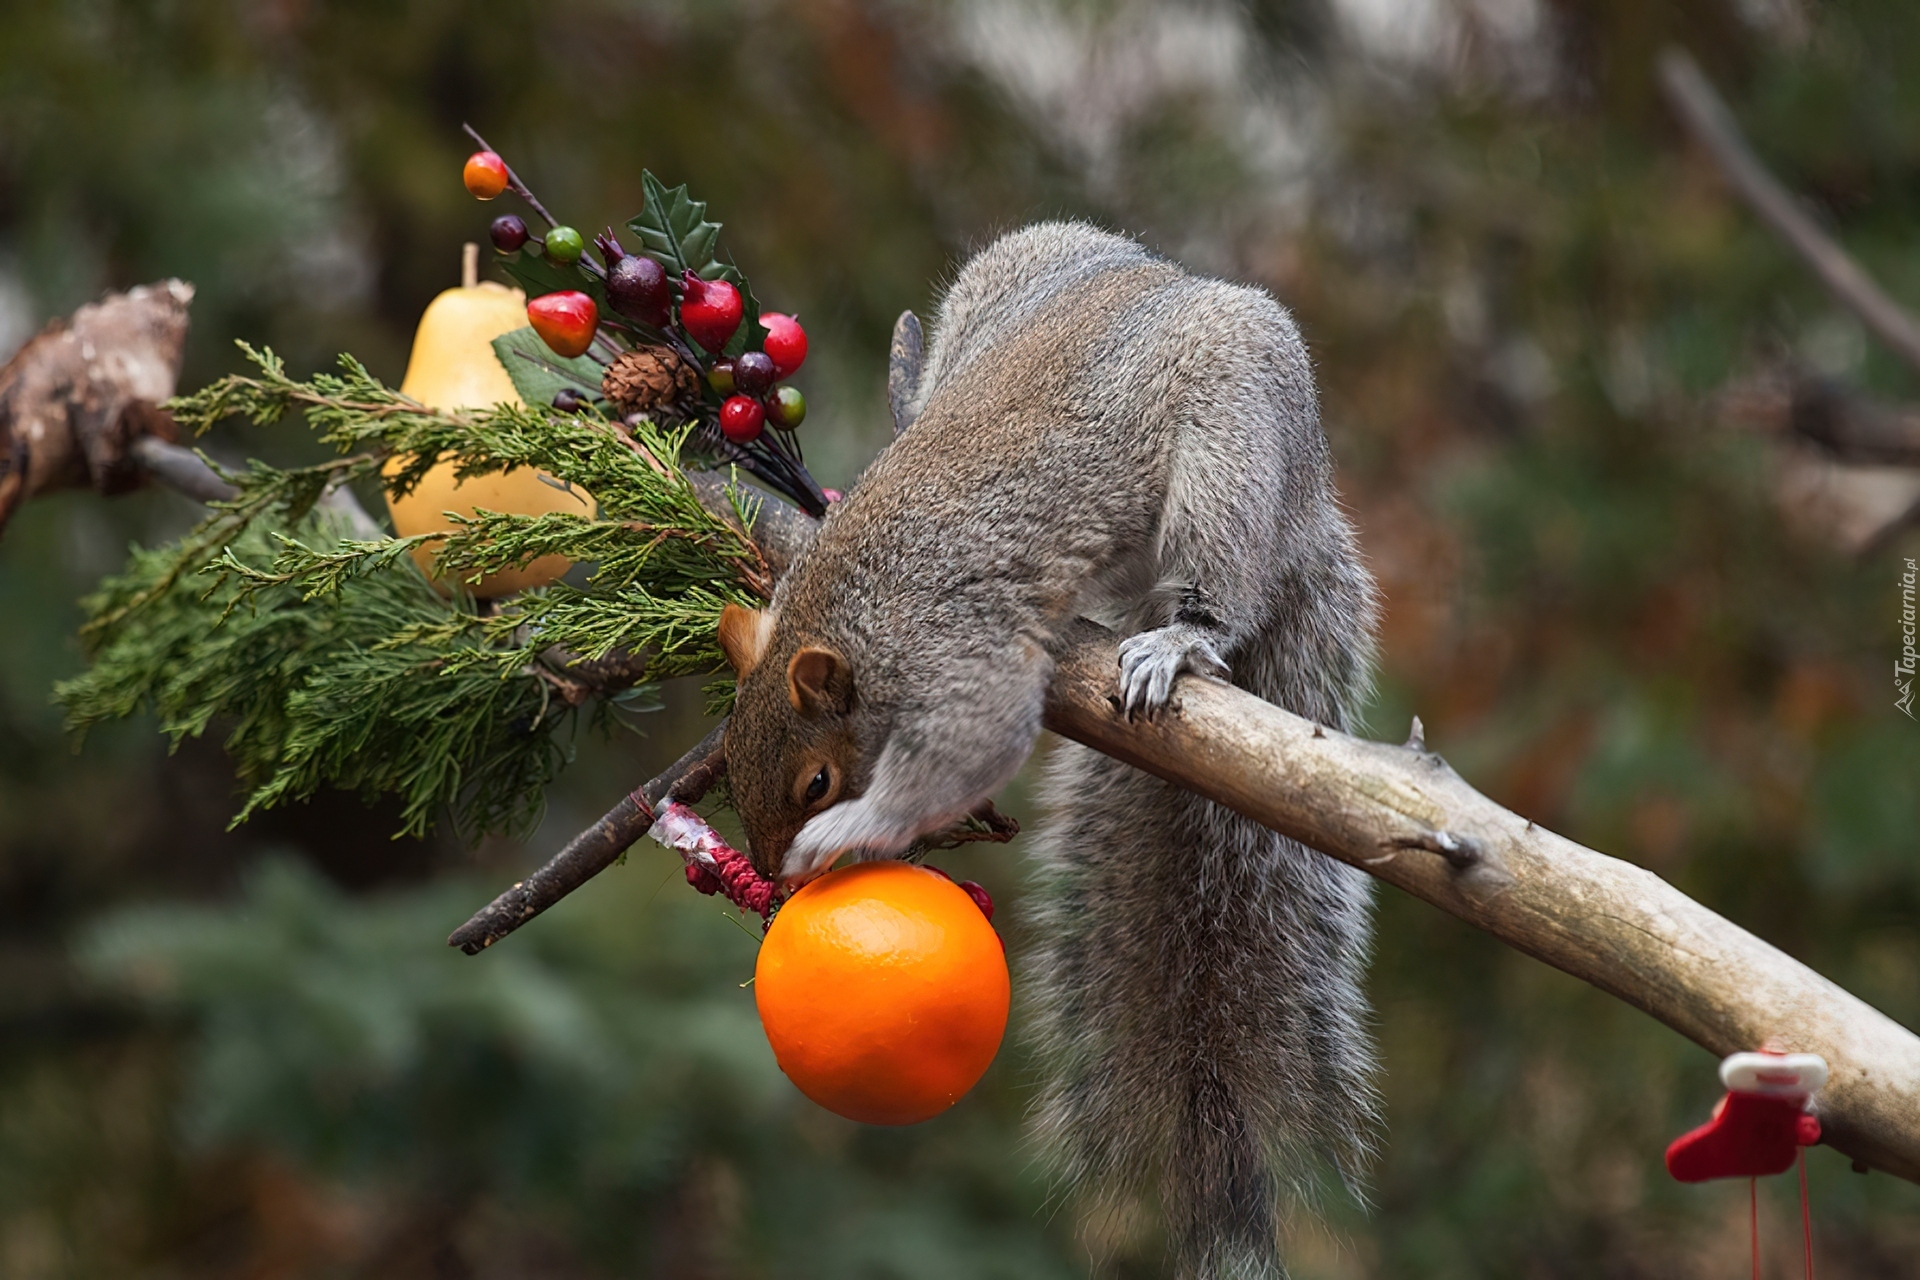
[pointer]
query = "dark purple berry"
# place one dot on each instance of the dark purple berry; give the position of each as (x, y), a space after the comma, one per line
(637, 288)
(609, 246)
(508, 233)
(567, 400)
(753, 372)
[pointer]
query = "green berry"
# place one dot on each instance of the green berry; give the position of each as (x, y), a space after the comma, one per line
(565, 245)
(786, 408)
(720, 377)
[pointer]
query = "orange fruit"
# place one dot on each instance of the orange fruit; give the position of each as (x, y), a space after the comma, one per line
(883, 990)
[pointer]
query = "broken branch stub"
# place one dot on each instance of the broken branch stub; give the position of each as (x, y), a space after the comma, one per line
(82, 391)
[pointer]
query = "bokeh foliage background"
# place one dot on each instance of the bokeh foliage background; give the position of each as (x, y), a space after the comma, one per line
(249, 1055)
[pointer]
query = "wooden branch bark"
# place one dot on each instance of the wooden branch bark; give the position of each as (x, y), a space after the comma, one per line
(76, 397)
(1401, 814)
(1712, 126)
(181, 469)
(1843, 424)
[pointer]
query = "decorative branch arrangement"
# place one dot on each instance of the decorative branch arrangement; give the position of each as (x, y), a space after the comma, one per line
(670, 334)
(335, 661)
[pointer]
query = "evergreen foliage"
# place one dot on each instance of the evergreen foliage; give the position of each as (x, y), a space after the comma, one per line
(339, 664)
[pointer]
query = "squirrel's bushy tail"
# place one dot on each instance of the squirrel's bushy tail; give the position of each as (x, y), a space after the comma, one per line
(1197, 997)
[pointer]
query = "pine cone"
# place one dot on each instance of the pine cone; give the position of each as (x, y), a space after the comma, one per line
(652, 380)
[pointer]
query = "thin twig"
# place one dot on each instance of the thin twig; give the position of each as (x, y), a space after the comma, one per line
(521, 189)
(1714, 128)
(593, 850)
(1855, 429)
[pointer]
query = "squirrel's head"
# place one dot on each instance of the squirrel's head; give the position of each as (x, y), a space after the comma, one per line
(793, 742)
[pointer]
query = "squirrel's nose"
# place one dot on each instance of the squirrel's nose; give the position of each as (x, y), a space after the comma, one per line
(798, 868)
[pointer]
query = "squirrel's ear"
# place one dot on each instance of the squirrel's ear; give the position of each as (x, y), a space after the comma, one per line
(744, 634)
(819, 680)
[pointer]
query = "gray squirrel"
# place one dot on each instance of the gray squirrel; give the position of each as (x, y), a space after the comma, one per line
(1098, 433)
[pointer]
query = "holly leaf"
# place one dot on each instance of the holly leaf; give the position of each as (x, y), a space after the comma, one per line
(538, 374)
(674, 231)
(751, 334)
(537, 274)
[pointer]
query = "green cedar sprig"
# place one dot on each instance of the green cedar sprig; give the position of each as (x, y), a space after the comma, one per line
(335, 662)
(326, 691)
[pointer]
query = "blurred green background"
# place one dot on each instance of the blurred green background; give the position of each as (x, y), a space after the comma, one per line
(1612, 601)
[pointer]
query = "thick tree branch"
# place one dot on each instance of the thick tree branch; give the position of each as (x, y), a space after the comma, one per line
(1401, 814)
(1712, 126)
(182, 470)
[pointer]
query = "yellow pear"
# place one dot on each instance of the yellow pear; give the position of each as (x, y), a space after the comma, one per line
(453, 367)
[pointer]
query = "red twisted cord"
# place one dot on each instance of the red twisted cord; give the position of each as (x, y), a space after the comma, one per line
(735, 877)
(713, 866)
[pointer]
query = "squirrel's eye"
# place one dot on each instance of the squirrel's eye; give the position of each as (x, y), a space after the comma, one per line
(818, 787)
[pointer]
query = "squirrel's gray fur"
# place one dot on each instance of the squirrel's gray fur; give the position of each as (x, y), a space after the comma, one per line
(1099, 433)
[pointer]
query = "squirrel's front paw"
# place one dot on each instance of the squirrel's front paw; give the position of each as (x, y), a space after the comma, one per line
(1150, 661)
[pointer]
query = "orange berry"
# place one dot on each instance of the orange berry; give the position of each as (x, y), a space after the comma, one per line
(485, 174)
(883, 991)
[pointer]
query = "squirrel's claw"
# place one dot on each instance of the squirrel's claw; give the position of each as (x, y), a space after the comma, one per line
(1150, 661)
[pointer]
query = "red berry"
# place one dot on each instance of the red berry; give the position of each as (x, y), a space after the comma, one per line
(485, 174)
(565, 321)
(741, 418)
(981, 898)
(637, 288)
(786, 342)
(709, 310)
(753, 372)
